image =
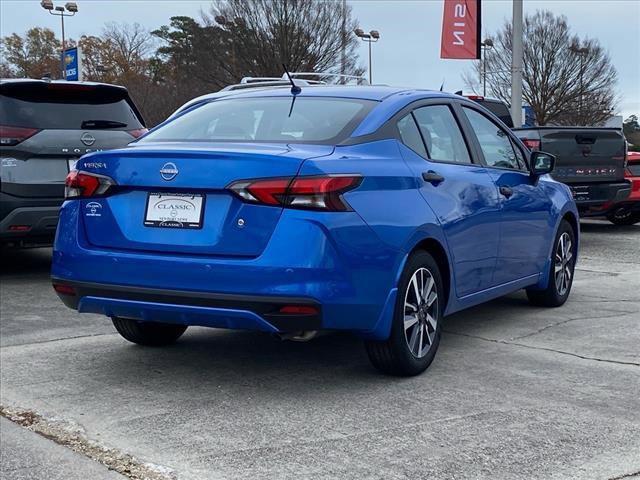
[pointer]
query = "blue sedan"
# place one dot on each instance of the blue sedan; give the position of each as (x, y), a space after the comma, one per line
(374, 210)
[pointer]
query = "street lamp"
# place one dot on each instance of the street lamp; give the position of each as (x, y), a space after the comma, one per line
(371, 37)
(72, 8)
(486, 45)
(582, 52)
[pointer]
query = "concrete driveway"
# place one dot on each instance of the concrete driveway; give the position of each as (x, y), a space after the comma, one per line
(514, 392)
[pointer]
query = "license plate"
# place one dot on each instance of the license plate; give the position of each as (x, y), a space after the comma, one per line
(580, 193)
(174, 210)
(72, 163)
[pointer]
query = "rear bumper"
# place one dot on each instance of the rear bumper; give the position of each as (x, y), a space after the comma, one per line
(28, 221)
(335, 262)
(190, 308)
(632, 201)
(592, 197)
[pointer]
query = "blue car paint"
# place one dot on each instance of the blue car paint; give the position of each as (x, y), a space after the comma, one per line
(350, 262)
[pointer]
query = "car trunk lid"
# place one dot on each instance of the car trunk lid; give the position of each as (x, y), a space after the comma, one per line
(172, 197)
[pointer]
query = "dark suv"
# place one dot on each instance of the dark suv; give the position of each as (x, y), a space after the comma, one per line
(45, 126)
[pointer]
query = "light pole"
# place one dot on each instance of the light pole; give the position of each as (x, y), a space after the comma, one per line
(486, 45)
(72, 8)
(371, 37)
(582, 52)
(517, 64)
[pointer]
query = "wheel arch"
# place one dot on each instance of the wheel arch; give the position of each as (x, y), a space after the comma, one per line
(437, 249)
(573, 220)
(439, 253)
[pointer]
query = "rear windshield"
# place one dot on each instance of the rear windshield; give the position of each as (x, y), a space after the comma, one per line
(272, 119)
(67, 109)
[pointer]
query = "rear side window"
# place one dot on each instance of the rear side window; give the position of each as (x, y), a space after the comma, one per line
(441, 134)
(288, 119)
(494, 141)
(410, 135)
(64, 108)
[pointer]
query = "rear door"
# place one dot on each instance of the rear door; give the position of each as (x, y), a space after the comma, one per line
(46, 127)
(526, 226)
(460, 192)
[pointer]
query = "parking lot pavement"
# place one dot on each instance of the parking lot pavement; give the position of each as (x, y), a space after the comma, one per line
(514, 392)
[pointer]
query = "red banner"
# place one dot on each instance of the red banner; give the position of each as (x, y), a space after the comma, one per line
(461, 29)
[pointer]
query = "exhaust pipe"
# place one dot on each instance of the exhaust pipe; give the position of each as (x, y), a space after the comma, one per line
(303, 336)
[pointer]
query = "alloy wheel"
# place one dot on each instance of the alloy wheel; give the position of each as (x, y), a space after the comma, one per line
(420, 312)
(563, 263)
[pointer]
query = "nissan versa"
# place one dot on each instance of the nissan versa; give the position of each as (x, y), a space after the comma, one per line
(374, 210)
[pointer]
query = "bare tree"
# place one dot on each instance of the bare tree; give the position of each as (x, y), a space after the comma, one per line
(129, 45)
(565, 80)
(306, 35)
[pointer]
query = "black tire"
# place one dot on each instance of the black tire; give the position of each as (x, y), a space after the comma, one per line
(623, 216)
(557, 292)
(150, 334)
(394, 356)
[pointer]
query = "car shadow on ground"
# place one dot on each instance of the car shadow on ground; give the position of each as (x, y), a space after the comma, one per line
(606, 227)
(26, 261)
(217, 357)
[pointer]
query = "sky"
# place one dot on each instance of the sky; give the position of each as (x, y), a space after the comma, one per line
(409, 49)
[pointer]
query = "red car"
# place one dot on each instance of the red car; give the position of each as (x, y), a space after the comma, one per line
(627, 212)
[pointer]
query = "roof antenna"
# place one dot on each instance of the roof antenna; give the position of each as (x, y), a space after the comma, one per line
(295, 89)
(442, 85)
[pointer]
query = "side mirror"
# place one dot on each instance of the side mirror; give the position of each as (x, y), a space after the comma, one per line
(541, 163)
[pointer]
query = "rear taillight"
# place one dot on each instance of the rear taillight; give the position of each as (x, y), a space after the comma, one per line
(84, 184)
(531, 143)
(311, 193)
(138, 132)
(10, 136)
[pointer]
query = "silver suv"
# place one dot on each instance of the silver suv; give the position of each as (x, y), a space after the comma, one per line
(45, 126)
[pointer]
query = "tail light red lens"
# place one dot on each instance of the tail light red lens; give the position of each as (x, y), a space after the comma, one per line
(138, 132)
(84, 184)
(10, 136)
(310, 193)
(531, 144)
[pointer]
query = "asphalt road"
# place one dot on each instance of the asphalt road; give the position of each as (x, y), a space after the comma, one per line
(514, 392)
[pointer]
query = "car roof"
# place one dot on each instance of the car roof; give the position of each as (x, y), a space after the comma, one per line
(362, 92)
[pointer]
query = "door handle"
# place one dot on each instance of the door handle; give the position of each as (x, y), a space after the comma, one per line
(432, 177)
(506, 192)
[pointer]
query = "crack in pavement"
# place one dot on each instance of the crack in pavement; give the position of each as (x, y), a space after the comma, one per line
(583, 357)
(40, 342)
(626, 475)
(621, 313)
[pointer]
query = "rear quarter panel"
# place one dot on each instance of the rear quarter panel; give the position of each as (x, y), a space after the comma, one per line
(388, 200)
